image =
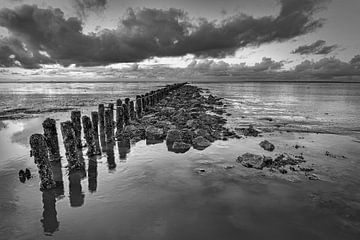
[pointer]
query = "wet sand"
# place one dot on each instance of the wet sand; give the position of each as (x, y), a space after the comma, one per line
(156, 194)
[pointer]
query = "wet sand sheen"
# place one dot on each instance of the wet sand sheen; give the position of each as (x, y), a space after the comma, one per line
(156, 194)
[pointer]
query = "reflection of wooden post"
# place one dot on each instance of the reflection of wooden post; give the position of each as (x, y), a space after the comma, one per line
(68, 134)
(95, 120)
(108, 126)
(49, 222)
(123, 147)
(41, 158)
(88, 135)
(110, 155)
(138, 106)
(92, 174)
(126, 114)
(76, 121)
(119, 119)
(101, 112)
(58, 178)
(51, 137)
(75, 189)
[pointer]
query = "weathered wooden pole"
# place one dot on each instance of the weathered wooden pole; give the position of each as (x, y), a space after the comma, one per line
(95, 122)
(40, 153)
(132, 110)
(76, 121)
(68, 134)
(126, 114)
(111, 108)
(51, 138)
(108, 126)
(138, 106)
(119, 119)
(101, 111)
(88, 135)
(143, 103)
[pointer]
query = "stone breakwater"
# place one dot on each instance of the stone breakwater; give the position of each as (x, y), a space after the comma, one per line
(178, 114)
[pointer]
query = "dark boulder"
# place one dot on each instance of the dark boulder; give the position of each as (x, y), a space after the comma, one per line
(266, 145)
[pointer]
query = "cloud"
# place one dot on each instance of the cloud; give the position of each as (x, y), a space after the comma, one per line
(212, 67)
(84, 6)
(145, 33)
(319, 47)
(330, 67)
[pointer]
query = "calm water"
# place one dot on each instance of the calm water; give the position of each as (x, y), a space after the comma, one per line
(145, 192)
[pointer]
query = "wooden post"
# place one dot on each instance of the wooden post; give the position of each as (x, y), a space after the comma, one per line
(138, 106)
(111, 108)
(108, 126)
(88, 135)
(101, 112)
(94, 121)
(51, 138)
(68, 134)
(119, 119)
(132, 110)
(76, 121)
(40, 153)
(126, 114)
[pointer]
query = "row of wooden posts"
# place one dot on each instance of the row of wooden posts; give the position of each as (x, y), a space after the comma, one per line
(45, 147)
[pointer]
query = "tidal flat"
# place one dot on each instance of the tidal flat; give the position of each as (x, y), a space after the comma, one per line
(153, 193)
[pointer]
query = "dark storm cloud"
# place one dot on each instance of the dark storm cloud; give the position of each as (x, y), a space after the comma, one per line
(84, 6)
(144, 33)
(319, 47)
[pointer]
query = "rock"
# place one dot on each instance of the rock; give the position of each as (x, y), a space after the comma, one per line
(154, 133)
(173, 136)
(312, 176)
(251, 132)
(268, 146)
(187, 136)
(200, 143)
(227, 167)
(180, 147)
(306, 169)
(200, 170)
(250, 160)
(282, 170)
(22, 176)
(27, 174)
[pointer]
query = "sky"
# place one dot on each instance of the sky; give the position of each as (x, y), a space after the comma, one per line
(245, 39)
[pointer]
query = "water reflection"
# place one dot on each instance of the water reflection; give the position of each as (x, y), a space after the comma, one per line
(110, 155)
(75, 190)
(49, 221)
(92, 174)
(58, 177)
(123, 148)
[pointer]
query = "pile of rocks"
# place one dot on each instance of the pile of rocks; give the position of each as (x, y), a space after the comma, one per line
(184, 118)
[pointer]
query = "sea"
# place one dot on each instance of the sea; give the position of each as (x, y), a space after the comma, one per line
(155, 194)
